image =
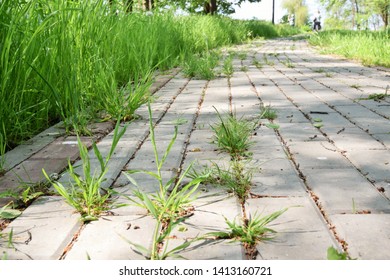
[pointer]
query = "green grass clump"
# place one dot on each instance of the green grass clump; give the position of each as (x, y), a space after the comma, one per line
(169, 206)
(267, 112)
(85, 193)
(201, 66)
(370, 47)
(232, 134)
(227, 67)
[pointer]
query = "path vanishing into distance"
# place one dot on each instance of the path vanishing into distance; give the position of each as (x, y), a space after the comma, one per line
(330, 158)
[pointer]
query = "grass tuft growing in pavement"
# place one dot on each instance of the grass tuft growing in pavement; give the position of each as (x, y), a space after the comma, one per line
(85, 193)
(169, 206)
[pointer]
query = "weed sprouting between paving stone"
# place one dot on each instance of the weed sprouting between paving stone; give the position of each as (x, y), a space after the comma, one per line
(85, 193)
(250, 231)
(228, 66)
(6, 241)
(236, 177)
(232, 135)
(169, 206)
(202, 66)
(333, 254)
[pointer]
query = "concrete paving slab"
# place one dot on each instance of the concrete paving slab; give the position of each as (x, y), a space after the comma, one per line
(353, 138)
(374, 124)
(374, 164)
(342, 190)
(32, 146)
(384, 138)
(315, 155)
(301, 232)
(269, 183)
(43, 230)
(367, 236)
(211, 209)
(30, 173)
(300, 132)
(106, 239)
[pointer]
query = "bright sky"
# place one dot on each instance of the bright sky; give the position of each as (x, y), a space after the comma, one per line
(263, 10)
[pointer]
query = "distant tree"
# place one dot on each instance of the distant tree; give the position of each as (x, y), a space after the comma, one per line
(382, 8)
(297, 8)
(356, 13)
(206, 6)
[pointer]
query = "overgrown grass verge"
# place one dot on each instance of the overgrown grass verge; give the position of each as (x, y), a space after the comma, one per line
(369, 47)
(76, 61)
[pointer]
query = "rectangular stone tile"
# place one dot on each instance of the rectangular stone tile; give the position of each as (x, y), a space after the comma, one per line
(212, 206)
(367, 236)
(341, 189)
(300, 132)
(373, 124)
(30, 173)
(43, 230)
(285, 182)
(106, 239)
(384, 138)
(374, 164)
(313, 155)
(352, 138)
(301, 233)
(30, 147)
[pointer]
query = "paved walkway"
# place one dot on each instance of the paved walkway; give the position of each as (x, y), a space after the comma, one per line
(330, 156)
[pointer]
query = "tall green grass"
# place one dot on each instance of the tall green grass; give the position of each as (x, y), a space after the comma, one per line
(369, 47)
(75, 61)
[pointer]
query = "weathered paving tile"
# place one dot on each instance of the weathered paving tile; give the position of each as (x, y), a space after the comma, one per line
(43, 230)
(342, 190)
(301, 231)
(106, 239)
(367, 235)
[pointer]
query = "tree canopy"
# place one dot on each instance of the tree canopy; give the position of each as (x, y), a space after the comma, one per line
(357, 14)
(297, 8)
(192, 6)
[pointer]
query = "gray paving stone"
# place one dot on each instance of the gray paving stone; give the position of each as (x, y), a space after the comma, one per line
(340, 190)
(106, 239)
(354, 111)
(314, 155)
(367, 236)
(352, 138)
(375, 164)
(301, 231)
(284, 182)
(30, 147)
(384, 138)
(211, 209)
(300, 132)
(43, 230)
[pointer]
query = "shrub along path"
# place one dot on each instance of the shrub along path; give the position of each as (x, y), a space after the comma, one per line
(330, 157)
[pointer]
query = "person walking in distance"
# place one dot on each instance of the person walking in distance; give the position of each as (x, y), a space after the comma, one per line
(317, 22)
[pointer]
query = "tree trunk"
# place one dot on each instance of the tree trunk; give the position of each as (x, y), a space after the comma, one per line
(210, 7)
(213, 7)
(385, 14)
(149, 5)
(129, 6)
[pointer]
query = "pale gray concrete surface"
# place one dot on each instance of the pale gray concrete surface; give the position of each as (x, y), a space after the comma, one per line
(334, 178)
